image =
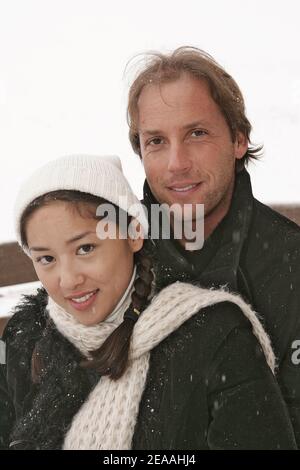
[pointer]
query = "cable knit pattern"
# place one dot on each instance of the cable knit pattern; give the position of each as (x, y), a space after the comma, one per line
(107, 419)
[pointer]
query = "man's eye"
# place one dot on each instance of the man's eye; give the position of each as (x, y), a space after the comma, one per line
(155, 141)
(198, 133)
(45, 260)
(85, 249)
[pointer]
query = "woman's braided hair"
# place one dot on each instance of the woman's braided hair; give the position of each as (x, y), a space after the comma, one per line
(112, 357)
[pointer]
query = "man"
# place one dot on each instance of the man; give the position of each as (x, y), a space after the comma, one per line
(188, 124)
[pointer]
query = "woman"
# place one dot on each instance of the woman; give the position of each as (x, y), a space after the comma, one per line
(93, 363)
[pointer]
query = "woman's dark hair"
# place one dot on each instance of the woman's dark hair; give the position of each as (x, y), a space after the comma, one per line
(112, 357)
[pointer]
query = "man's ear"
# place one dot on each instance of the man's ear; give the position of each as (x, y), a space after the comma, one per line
(241, 145)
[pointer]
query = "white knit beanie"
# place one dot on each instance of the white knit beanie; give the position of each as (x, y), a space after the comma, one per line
(98, 175)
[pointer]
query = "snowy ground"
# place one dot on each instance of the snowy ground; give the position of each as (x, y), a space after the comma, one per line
(11, 296)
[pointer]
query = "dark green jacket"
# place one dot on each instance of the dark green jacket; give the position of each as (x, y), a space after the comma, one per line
(255, 252)
(208, 386)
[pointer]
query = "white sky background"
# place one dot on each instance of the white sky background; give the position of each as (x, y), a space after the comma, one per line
(63, 91)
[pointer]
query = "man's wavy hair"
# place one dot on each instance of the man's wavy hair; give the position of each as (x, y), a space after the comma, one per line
(163, 68)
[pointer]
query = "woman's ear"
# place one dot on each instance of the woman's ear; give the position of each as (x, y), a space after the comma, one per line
(136, 245)
(135, 235)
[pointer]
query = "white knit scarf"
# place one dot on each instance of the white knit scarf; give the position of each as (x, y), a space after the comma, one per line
(107, 418)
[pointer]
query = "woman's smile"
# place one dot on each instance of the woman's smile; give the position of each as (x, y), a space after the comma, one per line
(84, 301)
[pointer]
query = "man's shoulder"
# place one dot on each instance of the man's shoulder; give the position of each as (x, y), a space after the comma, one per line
(268, 223)
(272, 248)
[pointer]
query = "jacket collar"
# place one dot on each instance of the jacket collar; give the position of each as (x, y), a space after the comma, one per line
(218, 262)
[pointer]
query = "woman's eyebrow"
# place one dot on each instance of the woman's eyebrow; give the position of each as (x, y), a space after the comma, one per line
(78, 237)
(68, 242)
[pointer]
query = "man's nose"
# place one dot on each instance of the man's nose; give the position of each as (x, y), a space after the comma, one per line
(70, 277)
(179, 160)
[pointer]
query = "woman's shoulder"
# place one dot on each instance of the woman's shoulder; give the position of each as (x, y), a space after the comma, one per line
(29, 318)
